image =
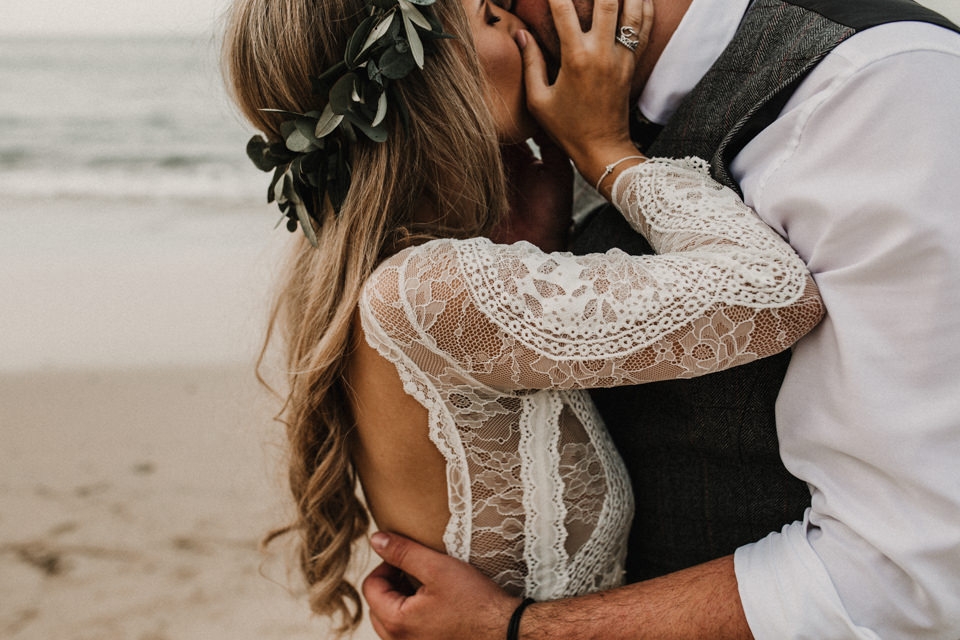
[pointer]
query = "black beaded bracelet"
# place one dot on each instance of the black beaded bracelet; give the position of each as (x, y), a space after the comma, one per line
(513, 629)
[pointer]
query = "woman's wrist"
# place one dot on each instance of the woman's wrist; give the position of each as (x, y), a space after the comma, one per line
(608, 172)
(601, 166)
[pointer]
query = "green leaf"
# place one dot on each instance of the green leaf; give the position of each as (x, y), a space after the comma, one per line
(355, 45)
(280, 187)
(257, 149)
(309, 167)
(287, 127)
(327, 122)
(301, 169)
(304, 128)
(411, 13)
(305, 223)
(322, 82)
(307, 125)
(341, 94)
(396, 64)
(298, 142)
(356, 95)
(292, 114)
(349, 134)
(382, 28)
(291, 197)
(375, 133)
(394, 32)
(373, 72)
(365, 98)
(416, 47)
(381, 110)
(277, 176)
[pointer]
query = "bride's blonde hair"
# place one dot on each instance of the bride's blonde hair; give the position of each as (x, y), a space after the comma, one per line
(448, 155)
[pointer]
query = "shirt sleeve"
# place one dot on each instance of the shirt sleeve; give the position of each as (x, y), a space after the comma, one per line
(860, 173)
(724, 290)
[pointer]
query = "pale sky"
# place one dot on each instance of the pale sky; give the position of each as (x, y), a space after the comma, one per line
(108, 16)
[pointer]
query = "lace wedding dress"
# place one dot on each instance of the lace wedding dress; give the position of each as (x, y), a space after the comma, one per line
(499, 342)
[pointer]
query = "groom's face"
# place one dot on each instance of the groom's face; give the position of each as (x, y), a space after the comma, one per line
(536, 15)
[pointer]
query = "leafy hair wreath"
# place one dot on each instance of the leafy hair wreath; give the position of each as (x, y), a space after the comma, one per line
(314, 155)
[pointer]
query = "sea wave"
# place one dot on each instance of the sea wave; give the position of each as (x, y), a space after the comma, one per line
(120, 118)
(188, 180)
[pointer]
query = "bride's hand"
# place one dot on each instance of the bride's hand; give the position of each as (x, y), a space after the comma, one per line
(586, 110)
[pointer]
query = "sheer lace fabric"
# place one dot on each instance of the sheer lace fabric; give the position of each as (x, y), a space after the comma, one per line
(499, 342)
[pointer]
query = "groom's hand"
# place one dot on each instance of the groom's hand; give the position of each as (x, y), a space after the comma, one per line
(453, 599)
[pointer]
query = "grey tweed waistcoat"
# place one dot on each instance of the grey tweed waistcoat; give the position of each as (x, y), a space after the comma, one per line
(703, 454)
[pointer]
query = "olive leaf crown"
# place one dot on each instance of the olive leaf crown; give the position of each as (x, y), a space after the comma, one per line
(314, 156)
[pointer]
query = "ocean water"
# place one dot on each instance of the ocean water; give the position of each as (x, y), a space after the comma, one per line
(134, 231)
(120, 118)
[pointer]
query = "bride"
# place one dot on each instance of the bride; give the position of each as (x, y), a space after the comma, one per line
(444, 371)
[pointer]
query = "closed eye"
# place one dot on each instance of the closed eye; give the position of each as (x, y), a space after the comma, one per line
(489, 15)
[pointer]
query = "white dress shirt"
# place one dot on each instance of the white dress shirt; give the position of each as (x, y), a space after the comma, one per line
(860, 174)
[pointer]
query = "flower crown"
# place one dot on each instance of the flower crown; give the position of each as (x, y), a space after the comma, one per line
(390, 43)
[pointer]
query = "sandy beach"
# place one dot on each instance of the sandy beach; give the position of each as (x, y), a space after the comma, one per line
(140, 465)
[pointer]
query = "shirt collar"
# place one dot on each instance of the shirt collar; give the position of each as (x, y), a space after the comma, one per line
(704, 32)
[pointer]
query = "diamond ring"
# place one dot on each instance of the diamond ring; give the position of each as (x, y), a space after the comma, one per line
(627, 36)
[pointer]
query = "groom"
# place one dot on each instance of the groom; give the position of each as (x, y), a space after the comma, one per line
(815, 496)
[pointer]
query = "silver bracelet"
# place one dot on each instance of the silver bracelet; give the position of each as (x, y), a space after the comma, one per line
(610, 167)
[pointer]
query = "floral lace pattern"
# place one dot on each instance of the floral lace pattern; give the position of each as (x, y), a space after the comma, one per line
(499, 343)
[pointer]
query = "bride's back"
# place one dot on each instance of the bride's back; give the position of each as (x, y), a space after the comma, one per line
(537, 497)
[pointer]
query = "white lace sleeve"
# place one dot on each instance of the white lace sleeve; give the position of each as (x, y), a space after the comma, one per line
(724, 290)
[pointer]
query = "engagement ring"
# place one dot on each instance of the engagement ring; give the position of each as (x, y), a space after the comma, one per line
(627, 37)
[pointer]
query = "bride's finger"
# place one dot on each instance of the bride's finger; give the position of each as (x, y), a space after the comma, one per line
(566, 21)
(605, 17)
(636, 21)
